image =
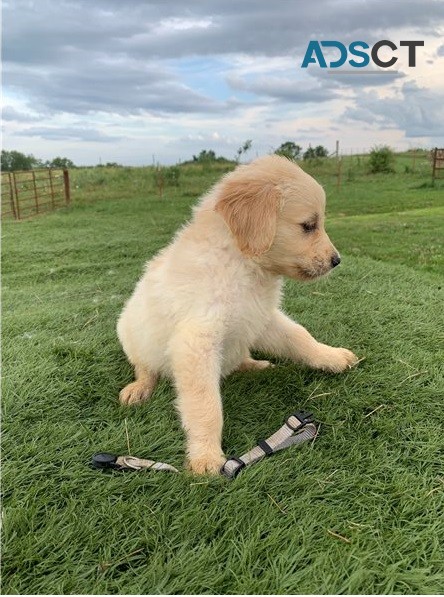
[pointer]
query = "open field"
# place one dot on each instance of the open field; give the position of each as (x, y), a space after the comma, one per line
(358, 511)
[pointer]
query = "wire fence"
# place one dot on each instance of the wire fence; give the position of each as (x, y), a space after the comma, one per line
(343, 167)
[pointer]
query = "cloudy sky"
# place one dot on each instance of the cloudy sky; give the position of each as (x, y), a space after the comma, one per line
(126, 80)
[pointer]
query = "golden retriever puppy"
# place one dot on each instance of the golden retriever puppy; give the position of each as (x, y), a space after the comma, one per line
(214, 294)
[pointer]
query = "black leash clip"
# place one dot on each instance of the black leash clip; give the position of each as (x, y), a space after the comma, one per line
(105, 461)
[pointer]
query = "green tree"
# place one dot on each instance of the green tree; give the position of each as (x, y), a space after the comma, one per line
(312, 153)
(309, 153)
(15, 160)
(321, 151)
(289, 150)
(59, 162)
(382, 159)
(205, 156)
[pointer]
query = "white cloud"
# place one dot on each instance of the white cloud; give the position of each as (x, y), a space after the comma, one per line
(183, 24)
(417, 112)
(172, 78)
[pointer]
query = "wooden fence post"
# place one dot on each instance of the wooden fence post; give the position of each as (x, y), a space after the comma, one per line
(11, 197)
(36, 198)
(338, 182)
(66, 183)
(435, 154)
(52, 188)
(17, 202)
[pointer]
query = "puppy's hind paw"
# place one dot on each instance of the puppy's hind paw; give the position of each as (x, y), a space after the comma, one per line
(250, 364)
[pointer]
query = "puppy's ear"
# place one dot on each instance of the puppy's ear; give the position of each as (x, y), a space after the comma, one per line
(250, 210)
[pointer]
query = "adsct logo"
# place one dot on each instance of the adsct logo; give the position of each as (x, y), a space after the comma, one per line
(359, 52)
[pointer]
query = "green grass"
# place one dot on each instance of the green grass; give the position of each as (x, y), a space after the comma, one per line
(374, 475)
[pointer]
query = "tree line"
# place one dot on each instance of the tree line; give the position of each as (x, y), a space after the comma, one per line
(292, 151)
(15, 160)
(289, 149)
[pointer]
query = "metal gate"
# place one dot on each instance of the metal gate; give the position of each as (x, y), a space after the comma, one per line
(28, 193)
(438, 163)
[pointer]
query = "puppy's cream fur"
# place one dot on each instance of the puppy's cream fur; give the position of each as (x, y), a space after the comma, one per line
(213, 294)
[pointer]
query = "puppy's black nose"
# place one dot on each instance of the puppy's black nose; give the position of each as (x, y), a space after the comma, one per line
(335, 260)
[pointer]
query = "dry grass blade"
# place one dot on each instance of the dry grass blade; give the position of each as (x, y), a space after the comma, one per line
(411, 376)
(276, 504)
(374, 410)
(338, 536)
(127, 437)
(103, 566)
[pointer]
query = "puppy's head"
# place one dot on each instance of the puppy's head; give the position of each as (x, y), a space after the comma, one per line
(275, 212)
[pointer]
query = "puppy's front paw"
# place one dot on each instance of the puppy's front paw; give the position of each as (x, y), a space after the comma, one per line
(335, 359)
(208, 462)
(134, 393)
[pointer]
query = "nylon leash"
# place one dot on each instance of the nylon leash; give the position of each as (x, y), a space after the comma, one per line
(104, 460)
(297, 429)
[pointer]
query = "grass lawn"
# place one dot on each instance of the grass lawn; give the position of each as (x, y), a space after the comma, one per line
(358, 511)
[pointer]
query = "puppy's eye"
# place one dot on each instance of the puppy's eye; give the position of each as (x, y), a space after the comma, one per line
(309, 226)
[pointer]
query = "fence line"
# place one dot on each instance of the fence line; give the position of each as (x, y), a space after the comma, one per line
(346, 166)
